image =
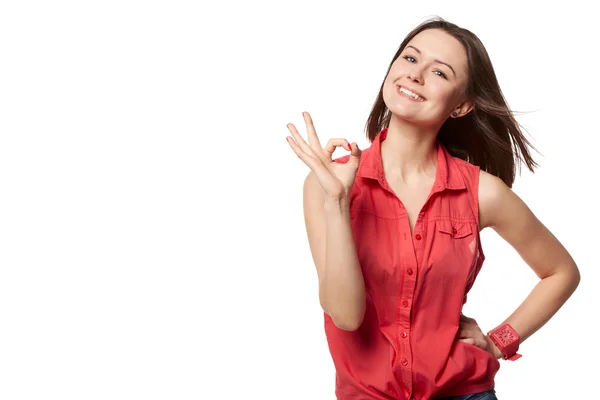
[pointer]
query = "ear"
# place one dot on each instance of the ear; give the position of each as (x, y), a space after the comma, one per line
(463, 108)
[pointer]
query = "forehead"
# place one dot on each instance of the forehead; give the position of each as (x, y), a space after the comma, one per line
(436, 44)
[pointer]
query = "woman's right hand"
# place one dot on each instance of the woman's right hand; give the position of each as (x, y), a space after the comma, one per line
(336, 179)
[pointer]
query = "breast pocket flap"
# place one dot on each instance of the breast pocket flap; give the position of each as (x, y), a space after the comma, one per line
(456, 229)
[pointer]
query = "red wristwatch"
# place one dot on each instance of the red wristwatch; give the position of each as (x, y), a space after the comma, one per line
(507, 340)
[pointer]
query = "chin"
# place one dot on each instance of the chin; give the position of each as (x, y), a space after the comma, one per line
(413, 119)
(404, 114)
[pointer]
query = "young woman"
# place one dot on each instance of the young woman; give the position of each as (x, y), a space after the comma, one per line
(394, 229)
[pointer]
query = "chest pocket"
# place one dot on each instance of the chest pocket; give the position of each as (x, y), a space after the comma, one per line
(457, 230)
(455, 247)
(464, 251)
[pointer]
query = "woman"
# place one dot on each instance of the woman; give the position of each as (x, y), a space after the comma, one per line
(394, 229)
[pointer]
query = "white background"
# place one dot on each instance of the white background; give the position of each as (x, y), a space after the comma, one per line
(152, 242)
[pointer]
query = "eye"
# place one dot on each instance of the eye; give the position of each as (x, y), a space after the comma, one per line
(440, 74)
(410, 59)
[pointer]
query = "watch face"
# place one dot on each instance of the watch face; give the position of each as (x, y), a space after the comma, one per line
(505, 335)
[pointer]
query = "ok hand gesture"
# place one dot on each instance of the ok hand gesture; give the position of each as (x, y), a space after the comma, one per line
(336, 179)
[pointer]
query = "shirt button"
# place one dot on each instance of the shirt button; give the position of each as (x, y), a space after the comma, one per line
(404, 361)
(405, 303)
(404, 334)
(418, 237)
(409, 271)
(454, 231)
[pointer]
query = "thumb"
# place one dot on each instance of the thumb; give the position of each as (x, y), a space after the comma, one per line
(355, 153)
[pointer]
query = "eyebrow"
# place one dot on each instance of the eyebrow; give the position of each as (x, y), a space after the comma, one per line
(437, 61)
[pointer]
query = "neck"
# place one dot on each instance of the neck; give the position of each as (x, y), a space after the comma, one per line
(409, 150)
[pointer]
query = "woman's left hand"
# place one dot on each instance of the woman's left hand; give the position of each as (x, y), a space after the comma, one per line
(470, 332)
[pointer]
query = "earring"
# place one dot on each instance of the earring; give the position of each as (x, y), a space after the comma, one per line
(454, 113)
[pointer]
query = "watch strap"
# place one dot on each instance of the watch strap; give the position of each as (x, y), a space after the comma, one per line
(507, 340)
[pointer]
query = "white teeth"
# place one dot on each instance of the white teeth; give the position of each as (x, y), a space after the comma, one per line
(411, 94)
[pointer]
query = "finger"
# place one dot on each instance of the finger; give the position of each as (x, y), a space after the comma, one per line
(467, 319)
(466, 324)
(313, 139)
(300, 140)
(481, 344)
(310, 161)
(465, 333)
(473, 330)
(463, 317)
(477, 336)
(323, 175)
(474, 342)
(333, 143)
(355, 152)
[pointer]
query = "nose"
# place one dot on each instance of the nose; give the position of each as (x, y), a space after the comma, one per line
(416, 75)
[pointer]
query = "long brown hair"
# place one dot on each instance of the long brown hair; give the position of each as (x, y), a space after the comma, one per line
(488, 136)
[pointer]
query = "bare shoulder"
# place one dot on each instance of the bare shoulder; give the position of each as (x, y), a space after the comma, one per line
(495, 199)
(502, 210)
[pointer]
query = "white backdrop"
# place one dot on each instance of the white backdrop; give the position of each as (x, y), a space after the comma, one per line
(152, 242)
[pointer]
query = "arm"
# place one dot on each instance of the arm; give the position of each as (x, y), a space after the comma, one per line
(341, 283)
(501, 209)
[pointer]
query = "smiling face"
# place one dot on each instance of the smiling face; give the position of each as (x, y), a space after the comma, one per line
(427, 81)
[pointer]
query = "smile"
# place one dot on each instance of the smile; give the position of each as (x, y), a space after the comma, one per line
(411, 95)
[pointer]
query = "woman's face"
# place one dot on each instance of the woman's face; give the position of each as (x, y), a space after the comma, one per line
(427, 81)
